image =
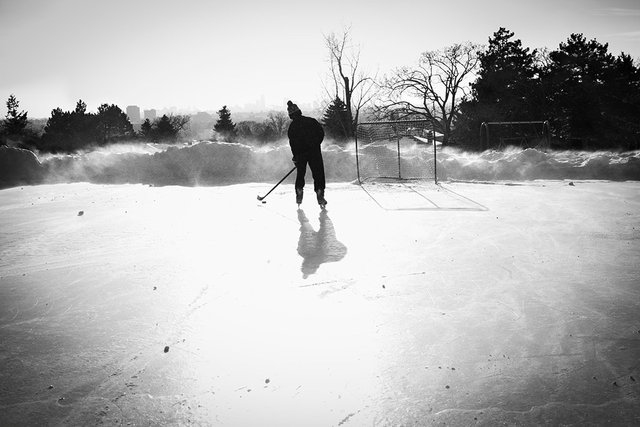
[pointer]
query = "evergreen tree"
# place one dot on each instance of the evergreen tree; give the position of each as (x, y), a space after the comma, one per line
(336, 120)
(58, 132)
(15, 121)
(164, 130)
(506, 89)
(81, 107)
(146, 130)
(83, 125)
(68, 131)
(596, 97)
(113, 124)
(225, 126)
(505, 83)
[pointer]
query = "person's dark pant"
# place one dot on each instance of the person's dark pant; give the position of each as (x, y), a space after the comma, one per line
(316, 164)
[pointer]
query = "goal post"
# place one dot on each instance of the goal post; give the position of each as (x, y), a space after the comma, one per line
(525, 134)
(396, 149)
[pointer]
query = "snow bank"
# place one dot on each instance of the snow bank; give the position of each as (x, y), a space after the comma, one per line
(214, 163)
(517, 164)
(19, 167)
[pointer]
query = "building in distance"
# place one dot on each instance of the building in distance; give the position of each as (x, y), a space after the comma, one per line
(133, 112)
(150, 114)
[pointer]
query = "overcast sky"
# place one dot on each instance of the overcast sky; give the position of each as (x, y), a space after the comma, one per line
(202, 54)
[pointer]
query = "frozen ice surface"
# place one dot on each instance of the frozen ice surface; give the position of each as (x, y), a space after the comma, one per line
(401, 304)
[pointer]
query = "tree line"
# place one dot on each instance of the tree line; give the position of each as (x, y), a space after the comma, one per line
(589, 98)
(69, 131)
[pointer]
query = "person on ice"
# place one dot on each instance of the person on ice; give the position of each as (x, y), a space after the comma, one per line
(305, 136)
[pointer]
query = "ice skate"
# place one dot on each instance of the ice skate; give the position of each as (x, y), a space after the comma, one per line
(321, 200)
(299, 194)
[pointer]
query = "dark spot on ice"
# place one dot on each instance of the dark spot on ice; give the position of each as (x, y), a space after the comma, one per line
(50, 387)
(631, 378)
(80, 213)
(384, 287)
(155, 287)
(446, 386)
(453, 369)
(267, 381)
(166, 348)
(615, 383)
(571, 184)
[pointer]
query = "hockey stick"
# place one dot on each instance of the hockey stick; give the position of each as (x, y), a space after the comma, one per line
(279, 182)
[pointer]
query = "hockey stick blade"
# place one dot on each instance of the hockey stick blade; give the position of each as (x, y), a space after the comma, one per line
(279, 182)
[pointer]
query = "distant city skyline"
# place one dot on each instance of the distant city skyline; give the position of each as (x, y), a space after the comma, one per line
(199, 55)
(259, 106)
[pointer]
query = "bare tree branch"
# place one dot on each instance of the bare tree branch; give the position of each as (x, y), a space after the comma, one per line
(434, 88)
(356, 87)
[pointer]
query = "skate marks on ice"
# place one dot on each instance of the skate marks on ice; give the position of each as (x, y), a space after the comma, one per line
(417, 195)
(318, 247)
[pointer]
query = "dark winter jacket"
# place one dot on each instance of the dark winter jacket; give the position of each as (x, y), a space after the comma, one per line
(305, 135)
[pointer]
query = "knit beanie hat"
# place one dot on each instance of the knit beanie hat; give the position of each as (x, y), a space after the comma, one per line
(293, 109)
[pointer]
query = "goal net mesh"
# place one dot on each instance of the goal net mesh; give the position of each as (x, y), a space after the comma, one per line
(528, 134)
(403, 149)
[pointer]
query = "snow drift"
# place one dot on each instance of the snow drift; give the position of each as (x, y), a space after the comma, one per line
(216, 163)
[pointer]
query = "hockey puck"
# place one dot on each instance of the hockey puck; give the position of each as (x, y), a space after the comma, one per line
(264, 201)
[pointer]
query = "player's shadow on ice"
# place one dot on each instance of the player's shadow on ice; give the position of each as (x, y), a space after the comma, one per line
(318, 247)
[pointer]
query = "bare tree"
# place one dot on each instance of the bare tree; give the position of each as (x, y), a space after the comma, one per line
(434, 89)
(178, 122)
(279, 121)
(350, 83)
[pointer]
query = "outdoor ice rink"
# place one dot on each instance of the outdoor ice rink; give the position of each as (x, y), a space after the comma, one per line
(465, 304)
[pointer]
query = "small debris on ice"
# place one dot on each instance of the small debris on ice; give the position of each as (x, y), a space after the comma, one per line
(50, 387)
(166, 349)
(571, 184)
(267, 381)
(80, 213)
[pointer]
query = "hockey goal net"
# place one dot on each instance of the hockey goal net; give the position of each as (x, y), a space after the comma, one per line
(400, 149)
